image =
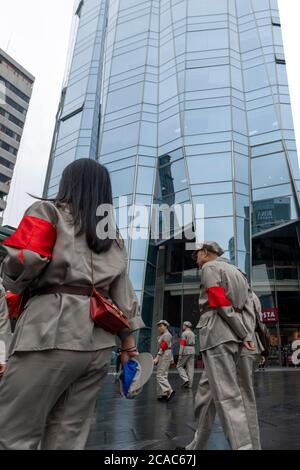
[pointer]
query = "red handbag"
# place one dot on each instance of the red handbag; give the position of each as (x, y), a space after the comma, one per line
(105, 313)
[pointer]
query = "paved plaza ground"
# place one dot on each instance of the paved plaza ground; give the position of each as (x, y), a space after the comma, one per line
(145, 423)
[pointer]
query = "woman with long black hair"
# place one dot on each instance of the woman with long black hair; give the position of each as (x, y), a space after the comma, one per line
(59, 356)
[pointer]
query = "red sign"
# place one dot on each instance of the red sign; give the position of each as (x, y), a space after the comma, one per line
(270, 315)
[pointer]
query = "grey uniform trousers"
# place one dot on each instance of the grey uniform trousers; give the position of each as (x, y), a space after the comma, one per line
(47, 398)
(219, 392)
(163, 386)
(205, 409)
(185, 367)
(246, 366)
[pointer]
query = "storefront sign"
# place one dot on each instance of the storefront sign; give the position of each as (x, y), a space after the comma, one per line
(269, 314)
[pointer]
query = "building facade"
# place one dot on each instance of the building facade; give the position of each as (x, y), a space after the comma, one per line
(187, 102)
(15, 93)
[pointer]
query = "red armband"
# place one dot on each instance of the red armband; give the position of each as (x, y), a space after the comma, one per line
(164, 346)
(34, 234)
(182, 342)
(217, 297)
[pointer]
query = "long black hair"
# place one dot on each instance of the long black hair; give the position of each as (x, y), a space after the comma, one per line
(84, 186)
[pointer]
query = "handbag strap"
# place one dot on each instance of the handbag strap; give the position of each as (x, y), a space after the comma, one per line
(93, 280)
(92, 269)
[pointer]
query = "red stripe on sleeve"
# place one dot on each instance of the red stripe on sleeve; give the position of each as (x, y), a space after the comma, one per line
(183, 342)
(217, 297)
(164, 345)
(34, 234)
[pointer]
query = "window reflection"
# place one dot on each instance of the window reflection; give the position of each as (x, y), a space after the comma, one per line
(128, 96)
(206, 7)
(136, 274)
(138, 249)
(132, 27)
(207, 120)
(128, 61)
(207, 77)
(272, 191)
(262, 120)
(145, 180)
(270, 212)
(243, 234)
(69, 125)
(256, 77)
(215, 205)
(269, 170)
(122, 181)
(207, 40)
(220, 230)
(171, 178)
(120, 138)
(210, 168)
(169, 129)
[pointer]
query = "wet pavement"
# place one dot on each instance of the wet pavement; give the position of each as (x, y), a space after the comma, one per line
(145, 423)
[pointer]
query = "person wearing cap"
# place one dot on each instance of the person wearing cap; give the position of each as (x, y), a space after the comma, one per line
(185, 364)
(163, 360)
(223, 334)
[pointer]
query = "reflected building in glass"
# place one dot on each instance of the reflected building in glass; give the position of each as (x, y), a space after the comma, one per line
(187, 101)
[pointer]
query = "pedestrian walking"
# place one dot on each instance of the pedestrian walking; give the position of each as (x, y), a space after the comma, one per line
(222, 335)
(186, 360)
(163, 360)
(66, 264)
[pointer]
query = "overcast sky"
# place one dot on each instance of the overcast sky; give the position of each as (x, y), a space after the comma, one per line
(36, 34)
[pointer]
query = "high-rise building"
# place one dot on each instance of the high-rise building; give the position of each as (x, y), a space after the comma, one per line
(15, 93)
(187, 101)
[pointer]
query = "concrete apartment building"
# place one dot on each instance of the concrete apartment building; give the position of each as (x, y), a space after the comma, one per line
(15, 93)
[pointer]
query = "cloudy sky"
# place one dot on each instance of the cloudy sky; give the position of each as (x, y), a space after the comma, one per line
(36, 33)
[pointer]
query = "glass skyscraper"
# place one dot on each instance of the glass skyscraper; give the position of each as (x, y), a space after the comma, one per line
(187, 101)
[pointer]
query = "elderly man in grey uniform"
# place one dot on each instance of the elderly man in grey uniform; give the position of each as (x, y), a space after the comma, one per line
(222, 334)
(185, 364)
(163, 361)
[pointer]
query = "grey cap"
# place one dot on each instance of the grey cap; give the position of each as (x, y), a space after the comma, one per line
(188, 324)
(163, 322)
(213, 247)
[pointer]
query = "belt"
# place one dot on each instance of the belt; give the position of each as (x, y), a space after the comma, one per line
(210, 309)
(66, 289)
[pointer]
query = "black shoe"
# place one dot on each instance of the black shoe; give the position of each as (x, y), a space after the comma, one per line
(180, 448)
(163, 398)
(186, 385)
(171, 395)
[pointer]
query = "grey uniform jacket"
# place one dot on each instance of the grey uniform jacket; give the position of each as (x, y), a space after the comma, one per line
(223, 324)
(167, 337)
(5, 329)
(62, 321)
(189, 349)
